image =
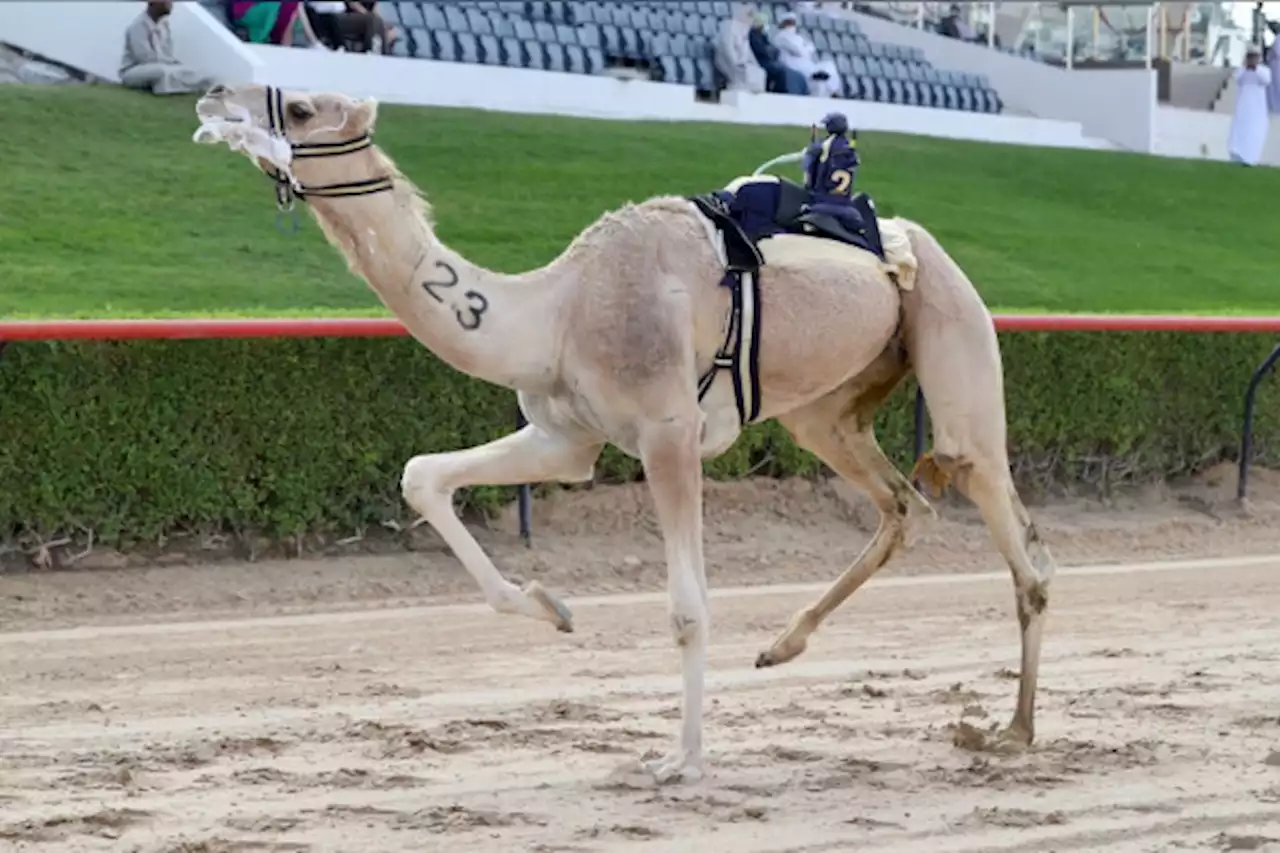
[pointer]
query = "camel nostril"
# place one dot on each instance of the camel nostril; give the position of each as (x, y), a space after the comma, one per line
(215, 90)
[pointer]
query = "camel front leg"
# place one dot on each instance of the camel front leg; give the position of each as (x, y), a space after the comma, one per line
(528, 456)
(849, 447)
(673, 469)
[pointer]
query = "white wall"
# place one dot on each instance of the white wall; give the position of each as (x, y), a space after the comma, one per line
(90, 36)
(427, 83)
(1117, 105)
(1203, 135)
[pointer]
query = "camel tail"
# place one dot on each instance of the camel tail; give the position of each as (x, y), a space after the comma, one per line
(951, 340)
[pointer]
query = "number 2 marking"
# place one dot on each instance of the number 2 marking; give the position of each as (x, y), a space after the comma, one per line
(430, 286)
(843, 179)
(469, 315)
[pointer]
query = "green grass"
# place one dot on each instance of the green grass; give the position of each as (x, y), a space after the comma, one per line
(110, 210)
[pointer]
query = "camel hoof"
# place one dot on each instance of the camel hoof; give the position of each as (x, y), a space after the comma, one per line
(780, 653)
(562, 617)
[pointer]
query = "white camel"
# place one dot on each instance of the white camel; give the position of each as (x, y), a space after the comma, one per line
(606, 344)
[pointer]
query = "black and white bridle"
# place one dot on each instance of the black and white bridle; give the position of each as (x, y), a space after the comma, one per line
(287, 190)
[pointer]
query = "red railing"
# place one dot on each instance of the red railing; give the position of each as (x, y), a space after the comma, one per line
(363, 327)
(350, 327)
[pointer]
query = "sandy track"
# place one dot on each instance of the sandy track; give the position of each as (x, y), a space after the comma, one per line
(448, 728)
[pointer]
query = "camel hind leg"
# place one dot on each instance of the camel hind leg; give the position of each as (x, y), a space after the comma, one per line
(838, 429)
(956, 356)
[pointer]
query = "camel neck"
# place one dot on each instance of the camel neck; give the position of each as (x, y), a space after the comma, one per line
(485, 324)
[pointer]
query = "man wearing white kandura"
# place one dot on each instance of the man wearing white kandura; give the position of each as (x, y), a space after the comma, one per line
(1251, 120)
(799, 54)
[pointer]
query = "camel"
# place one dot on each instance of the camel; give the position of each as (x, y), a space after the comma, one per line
(606, 344)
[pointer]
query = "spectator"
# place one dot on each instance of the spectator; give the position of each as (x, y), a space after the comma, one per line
(956, 27)
(1250, 123)
(271, 22)
(339, 24)
(149, 62)
(799, 54)
(779, 77)
(733, 55)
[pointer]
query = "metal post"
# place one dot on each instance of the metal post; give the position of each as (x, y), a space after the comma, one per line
(922, 416)
(1150, 35)
(992, 11)
(1071, 36)
(920, 16)
(1246, 432)
(525, 495)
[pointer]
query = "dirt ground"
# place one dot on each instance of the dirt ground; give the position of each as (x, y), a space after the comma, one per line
(371, 703)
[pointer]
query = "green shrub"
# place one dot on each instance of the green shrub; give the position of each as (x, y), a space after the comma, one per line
(134, 440)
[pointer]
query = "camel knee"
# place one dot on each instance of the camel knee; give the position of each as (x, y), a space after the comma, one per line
(423, 486)
(689, 625)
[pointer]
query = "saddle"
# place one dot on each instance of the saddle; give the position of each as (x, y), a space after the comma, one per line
(756, 211)
(784, 206)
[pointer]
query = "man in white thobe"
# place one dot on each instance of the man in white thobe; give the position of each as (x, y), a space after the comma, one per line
(733, 54)
(149, 62)
(1251, 119)
(798, 53)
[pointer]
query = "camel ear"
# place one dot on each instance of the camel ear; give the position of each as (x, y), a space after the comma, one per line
(364, 115)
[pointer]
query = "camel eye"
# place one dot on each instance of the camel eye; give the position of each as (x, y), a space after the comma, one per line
(299, 111)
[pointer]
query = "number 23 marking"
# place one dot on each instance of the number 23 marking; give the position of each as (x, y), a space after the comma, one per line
(842, 179)
(476, 305)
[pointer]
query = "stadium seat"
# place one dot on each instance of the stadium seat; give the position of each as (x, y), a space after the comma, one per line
(658, 44)
(687, 73)
(596, 63)
(558, 12)
(502, 25)
(680, 45)
(663, 69)
(556, 60)
(490, 50)
(456, 19)
(544, 31)
(468, 48)
(610, 41)
(446, 46)
(420, 43)
(535, 10)
(575, 59)
(410, 15)
(630, 43)
(478, 22)
(704, 78)
(578, 13)
(434, 17)
(513, 53)
(401, 47)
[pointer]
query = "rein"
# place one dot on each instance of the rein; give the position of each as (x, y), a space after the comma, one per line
(287, 190)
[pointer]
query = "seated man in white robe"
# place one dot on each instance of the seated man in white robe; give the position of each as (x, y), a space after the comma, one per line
(733, 56)
(798, 53)
(149, 62)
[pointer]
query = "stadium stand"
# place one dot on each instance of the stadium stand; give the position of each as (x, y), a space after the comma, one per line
(668, 42)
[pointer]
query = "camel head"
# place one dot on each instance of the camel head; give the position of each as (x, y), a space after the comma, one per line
(267, 124)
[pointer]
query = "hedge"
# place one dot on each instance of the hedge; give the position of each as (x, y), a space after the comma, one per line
(136, 440)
